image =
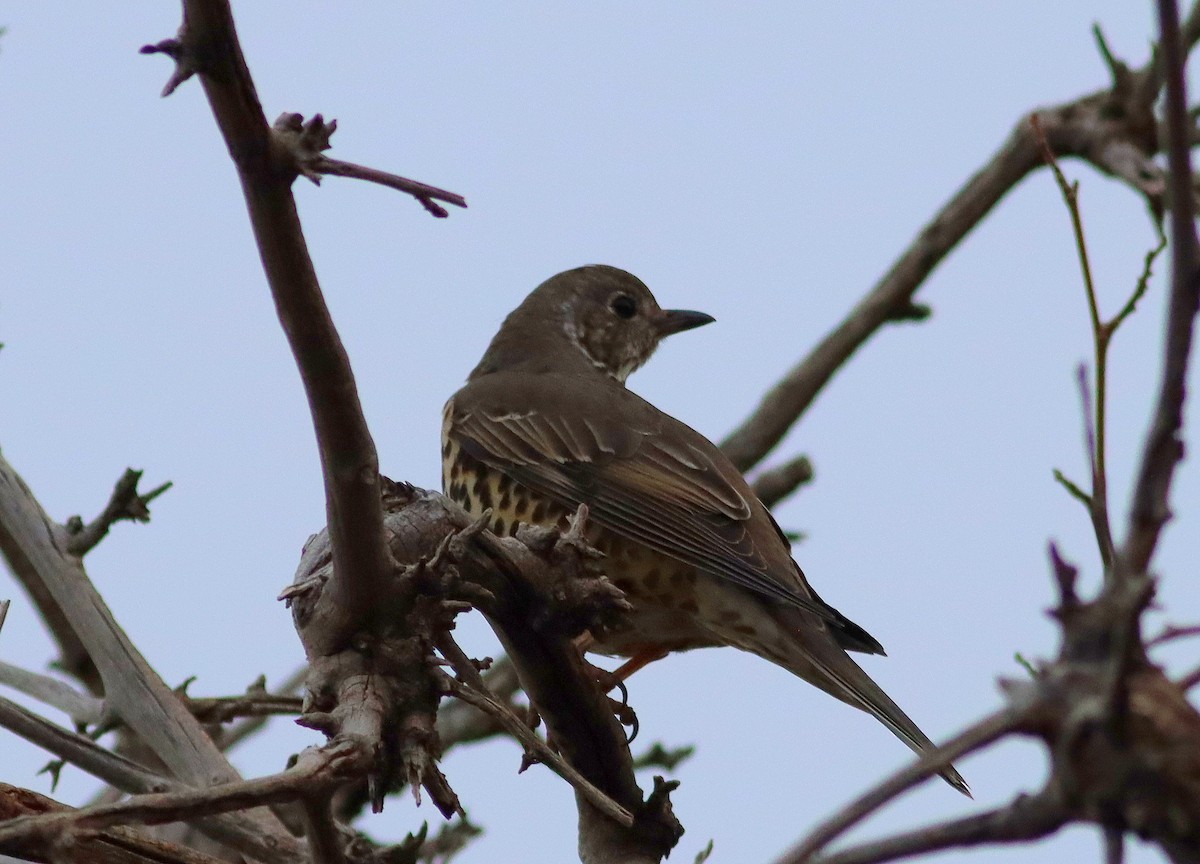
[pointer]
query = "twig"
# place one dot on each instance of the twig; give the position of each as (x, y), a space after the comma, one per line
(519, 730)
(1150, 509)
(460, 723)
(80, 707)
(250, 725)
(124, 504)
(1190, 680)
(81, 751)
(1171, 632)
(1026, 818)
(1073, 489)
(1094, 423)
(423, 192)
(223, 709)
(975, 737)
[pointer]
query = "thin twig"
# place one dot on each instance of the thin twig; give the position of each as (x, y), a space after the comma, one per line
(516, 727)
(1094, 417)
(125, 504)
(1143, 283)
(979, 735)
(81, 751)
(250, 725)
(80, 707)
(1073, 489)
(423, 192)
(1170, 633)
(4, 604)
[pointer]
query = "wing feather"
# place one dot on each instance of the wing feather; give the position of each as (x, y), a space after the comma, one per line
(667, 494)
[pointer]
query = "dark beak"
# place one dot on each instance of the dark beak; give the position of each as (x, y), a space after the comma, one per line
(678, 320)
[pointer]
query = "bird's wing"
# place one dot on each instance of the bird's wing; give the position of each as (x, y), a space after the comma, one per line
(646, 477)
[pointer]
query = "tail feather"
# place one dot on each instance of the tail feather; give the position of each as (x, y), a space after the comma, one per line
(820, 661)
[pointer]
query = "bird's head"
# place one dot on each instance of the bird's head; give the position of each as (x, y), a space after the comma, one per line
(605, 314)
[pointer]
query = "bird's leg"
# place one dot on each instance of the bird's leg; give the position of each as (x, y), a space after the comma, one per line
(638, 661)
(616, 678)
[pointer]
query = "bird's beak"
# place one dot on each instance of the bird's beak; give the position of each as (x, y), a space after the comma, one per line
(678, 320)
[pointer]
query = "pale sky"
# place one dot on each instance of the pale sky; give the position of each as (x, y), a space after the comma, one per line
(761, 162)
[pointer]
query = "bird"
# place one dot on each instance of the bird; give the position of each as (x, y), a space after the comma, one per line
(545, 423)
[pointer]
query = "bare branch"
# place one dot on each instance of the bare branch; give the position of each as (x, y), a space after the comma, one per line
(517, 728)
(349, 463)
(325, 838)
(249, 726)
(975, 737)
(1026, 818)
(306, 141)
(774, 484)
(1171, 632)
(125, 503)
(80, 707)
(1150, 509)
(315, 772)
(79, 750)
(113, 846)
(1113, 129)
(37, 548)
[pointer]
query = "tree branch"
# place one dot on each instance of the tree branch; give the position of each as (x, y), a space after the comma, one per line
(113, 846)
(37, 547)
(975, 737)
(1112, 129)
(349, 463)
(1150, 509)
(125, 503)
(774, 484)
(1026, 818)
(316, 771)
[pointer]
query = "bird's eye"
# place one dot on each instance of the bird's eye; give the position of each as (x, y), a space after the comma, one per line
(624, 305)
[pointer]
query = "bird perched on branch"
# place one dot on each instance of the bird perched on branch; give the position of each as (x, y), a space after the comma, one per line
(545, 424)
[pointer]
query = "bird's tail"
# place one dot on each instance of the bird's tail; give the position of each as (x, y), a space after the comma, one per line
(820, 661)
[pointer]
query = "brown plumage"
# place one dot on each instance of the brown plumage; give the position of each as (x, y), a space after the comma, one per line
(545, 424)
